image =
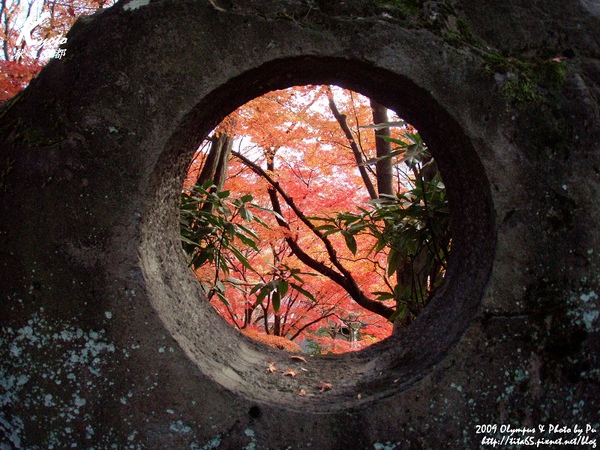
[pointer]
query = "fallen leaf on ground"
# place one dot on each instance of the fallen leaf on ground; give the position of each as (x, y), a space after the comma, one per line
(290, 373)
(325, 386)
(301, 393)
(298, 358)
(272, 368)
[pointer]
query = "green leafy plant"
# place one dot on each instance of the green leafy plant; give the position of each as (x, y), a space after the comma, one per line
(284, 278)
(414, 227)
(212, 224)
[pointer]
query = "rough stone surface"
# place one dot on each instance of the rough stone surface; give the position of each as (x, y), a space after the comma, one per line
(106, 341)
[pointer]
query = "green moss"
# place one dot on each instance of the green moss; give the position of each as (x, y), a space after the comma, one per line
(526, 80)
(464, 31)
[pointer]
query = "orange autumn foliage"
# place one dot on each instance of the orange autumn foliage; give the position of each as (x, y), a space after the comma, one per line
(313, 164)
(26, 50)
(14, 76)
(278, 342)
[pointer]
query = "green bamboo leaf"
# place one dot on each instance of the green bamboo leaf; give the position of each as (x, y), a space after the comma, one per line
(247, 241)
(332, 231)
(246, 214)
(350, 241)
(257, 287)
(393, 261)
(276, 301)
(264, 291)
(222, 263)
(321, 219)
(356, 228)
(222, 298)
(249, 232)
(219, 286)
(199, 259)
(379, 126)
(270, 211)
(188, 241)
(372, 161)
(326, 228)
(297, 277)
(381, 296)
(282, 287)
(380, 245)
(303, 291)
(398, 314)
(206, 186)
(241, 258)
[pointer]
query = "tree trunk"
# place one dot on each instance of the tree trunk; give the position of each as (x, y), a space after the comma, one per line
(225, 143)
(276, 325)
(384, 165)
(248, 311)
(216, 164)
(217, 161)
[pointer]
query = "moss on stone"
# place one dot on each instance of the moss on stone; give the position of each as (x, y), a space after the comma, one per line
(526, 80)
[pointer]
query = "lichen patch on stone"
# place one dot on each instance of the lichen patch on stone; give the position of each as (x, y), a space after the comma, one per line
(135, 4)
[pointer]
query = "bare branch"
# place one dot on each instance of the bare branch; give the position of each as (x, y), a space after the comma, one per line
(341, 118)
(343, 278)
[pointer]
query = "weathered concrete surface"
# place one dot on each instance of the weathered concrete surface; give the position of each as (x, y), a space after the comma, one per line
(105, 339)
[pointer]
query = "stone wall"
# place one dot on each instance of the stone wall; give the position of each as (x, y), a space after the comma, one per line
(106, 340)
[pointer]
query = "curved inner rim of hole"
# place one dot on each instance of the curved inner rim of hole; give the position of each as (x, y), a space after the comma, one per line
(314, 219)
(394, 364)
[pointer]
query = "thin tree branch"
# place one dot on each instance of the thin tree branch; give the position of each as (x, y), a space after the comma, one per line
(304, 327)
(343, 279)
(341, 118)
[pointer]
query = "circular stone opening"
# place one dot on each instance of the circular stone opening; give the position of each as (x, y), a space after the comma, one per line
(329, 382)
(315, 218)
